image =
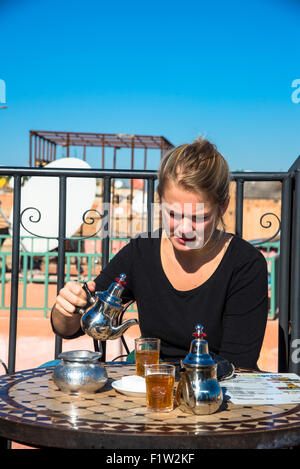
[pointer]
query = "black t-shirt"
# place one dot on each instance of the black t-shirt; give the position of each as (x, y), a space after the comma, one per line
(232, 304)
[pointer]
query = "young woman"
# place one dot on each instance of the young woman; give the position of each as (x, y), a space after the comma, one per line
(191, 271)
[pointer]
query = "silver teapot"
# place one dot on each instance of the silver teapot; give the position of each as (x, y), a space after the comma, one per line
(198, 390)
(100, 317)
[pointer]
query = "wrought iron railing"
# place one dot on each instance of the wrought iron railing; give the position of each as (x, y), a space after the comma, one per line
(288, 227)
(40, 268)
(82, 266)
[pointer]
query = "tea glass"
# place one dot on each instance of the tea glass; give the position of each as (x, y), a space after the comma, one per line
(160, 381)
(146, 352)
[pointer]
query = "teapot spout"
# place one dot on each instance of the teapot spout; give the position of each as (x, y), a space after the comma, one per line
(117, 331)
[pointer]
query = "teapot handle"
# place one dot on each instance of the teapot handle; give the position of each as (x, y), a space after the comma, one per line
(91, 299)
(120, 322)
(126, 306)
(124, 309)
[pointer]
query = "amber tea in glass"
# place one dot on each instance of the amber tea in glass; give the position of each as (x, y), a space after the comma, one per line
(160, 387)
(146, 352)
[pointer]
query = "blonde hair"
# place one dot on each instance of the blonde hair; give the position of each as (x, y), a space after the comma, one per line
(197, 167)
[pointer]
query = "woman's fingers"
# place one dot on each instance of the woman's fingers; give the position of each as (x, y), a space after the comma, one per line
(70, 297)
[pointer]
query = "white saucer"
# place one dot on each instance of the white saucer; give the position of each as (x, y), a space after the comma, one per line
(117, 385)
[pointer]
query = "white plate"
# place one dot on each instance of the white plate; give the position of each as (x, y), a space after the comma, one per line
(117, 385)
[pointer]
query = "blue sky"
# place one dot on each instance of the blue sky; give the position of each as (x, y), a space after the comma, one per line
(222, 70)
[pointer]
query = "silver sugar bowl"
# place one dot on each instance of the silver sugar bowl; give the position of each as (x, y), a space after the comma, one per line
(80, 371)
(198, 391)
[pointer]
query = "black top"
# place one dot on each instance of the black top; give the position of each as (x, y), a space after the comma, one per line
(232, 304)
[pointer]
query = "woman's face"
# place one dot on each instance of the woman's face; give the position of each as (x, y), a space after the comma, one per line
(189, 218)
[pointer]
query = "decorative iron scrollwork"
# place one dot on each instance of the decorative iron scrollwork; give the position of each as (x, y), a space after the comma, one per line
(32, 220)
(264, 223)
(36, 217)
(85, 219)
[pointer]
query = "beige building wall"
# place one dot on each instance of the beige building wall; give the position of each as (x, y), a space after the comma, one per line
(254, 226)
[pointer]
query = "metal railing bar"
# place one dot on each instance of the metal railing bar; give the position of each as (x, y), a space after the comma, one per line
(128, 173)
(294, 364)
(150, 200)
(105, 247)
(284, 274)
(3, 264)
(25, 269)
(80, 172)
(61, 247)
(272, 271)
(14, 275)
(46, 285)
(239, 203)
(106, 227)
(257, 176)
(89, 267)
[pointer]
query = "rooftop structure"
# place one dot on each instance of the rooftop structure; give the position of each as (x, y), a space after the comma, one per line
(43, 145)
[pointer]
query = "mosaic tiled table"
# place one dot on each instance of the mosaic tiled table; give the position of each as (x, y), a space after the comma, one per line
(34, 412)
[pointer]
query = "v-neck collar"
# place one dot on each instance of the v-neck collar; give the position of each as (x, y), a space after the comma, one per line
(199, 287)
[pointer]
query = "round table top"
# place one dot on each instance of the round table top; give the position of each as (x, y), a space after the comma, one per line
(34, 412)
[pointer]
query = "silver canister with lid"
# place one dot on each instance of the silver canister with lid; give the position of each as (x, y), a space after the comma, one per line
(80, 371)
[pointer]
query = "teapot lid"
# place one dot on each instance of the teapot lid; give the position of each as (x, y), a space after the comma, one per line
(112, 295)
(198, 354)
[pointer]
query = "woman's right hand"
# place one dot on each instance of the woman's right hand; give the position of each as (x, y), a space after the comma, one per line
(72, 296)
(65, 321)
